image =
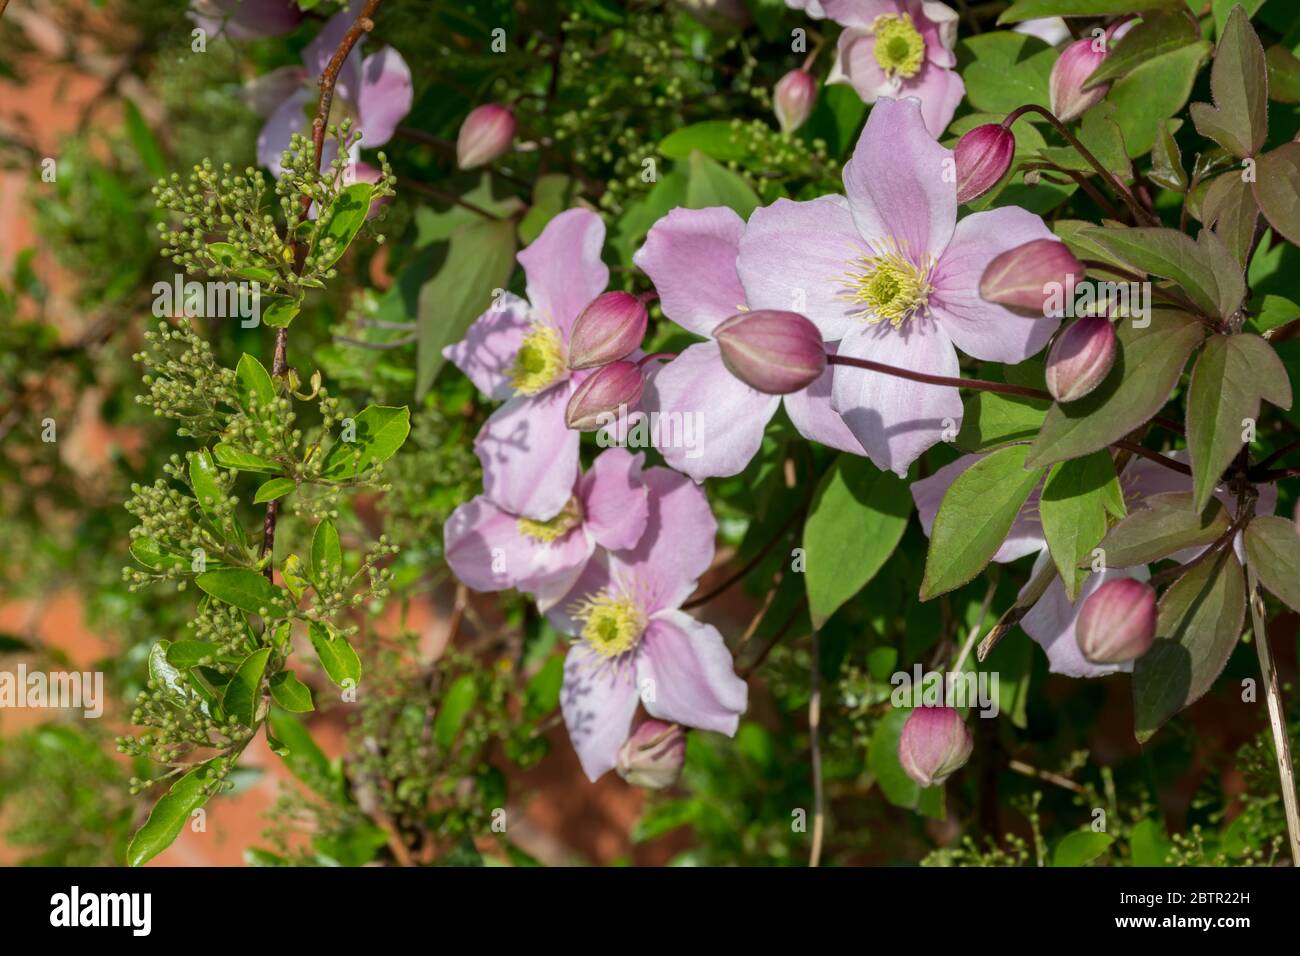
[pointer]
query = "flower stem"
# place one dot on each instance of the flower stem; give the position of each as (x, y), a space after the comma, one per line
(978, 384)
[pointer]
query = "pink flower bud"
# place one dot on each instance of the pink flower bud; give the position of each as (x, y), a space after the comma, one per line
(1030, 276)
(793, 98)
(773, 352)
(1118, 622)
(653, 756)
(1080, 358)
(1077, 62)
(597, 400)
(485, 135)
(983, 157)
(607, 330)
(934, 744)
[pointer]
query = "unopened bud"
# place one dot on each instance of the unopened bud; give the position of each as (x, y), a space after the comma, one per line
(1077, 62)
(1117, 622)
(605, 391)
(607, 330)
(1080, 358)
(773, 352)
(935, 743)
(983, 157)
(485, 135)
(653, 756)
(793, 99)
(1031, 276)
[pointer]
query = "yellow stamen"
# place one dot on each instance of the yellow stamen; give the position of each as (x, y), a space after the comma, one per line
(889, 285)
(613, 623)
(539, 361)
(547, 531)
(900, 48)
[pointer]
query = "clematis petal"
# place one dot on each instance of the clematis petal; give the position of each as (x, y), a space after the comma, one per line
(938, 25)
(487, 352)
(859, 13)
(710, 423)
(896, 419)
(615, 501)
(1026, 534)
(939, 91)
(1051, 623)
(814, 417)
(385, 96)
(677, 547)
(529, 456)
(986, 330)
(686, 674)
(286, 119)
(318, 53)
(488, 550)
(266, 92)
(558, 598)
(598, 700)
(690, 256)
(563, 267)
(855, 64)
(896, 184)
(797, 256)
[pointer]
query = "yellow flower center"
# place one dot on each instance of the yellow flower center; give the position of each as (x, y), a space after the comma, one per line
(888, 285)
(900, 48)
(547, 531)
(539, 361)
(612, 623)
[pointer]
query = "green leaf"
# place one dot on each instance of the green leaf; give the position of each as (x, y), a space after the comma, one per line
(150, 554)
(1081, 848)
(1166, 160)
(230, 260)
(1160, 32)
(1153, 91)
(1276, 185)
(291, 571)
(1073, 512)
(303, 757)
(1176, 256)
(244, 692)
(542, 694)
(479, 262)
(857, 518)
(457, 702)
(256, 389)
(1274, 311)
(336, 654)
(1003, 70)
(1229, 207)
(228, 456)
(273, 489)
(280, 312)
(1238, 120)
(718, 139)
(1199, 623)
(163, 673)
(1166, 524)
(992, 420)
(1032, 9)
(712, 184)
(207, 486)
(342, 221)
(247, 590)
(1283, 75)
(1222, 8)
(143, 140)
(1148, 364)
(1100, 134)
(379, 431)
(1148, 844)
(882, 762)
(290, 693)
(191, 653)
(1273, 551)
(974, 518)
(326, 553)
(1231, 376)
(552, 194)
(170, 813)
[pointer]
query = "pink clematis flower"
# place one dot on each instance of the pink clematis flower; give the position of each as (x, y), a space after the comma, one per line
(634, 644)
(690, 255)
(1051, 621)
(375, 92)
(890, 274)
(245, 19)
(491, 550)
(517, 351)
(899, 48)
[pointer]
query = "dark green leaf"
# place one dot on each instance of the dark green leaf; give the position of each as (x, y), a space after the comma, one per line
(244, 589)
(290, 693)
(857, 518)
(1238, 120)
(244, 692)
(1273, 551)
(1283, 75)
(380, 431)
(273, 489)
(326, 553)
(1229, 207)
(1276, 185)
(992, 420)
(1166, 524)
(1073, 512)
(342, 221)
(256, 389)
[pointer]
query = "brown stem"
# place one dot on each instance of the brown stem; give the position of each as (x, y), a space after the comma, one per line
(280, 364)
(794, 519)
(1155, 456)
(814, 742)
(977, 384)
